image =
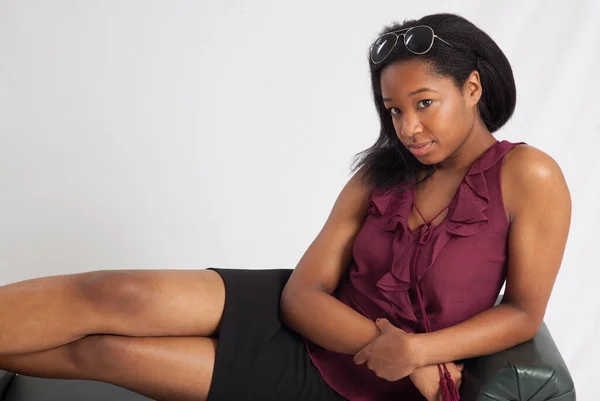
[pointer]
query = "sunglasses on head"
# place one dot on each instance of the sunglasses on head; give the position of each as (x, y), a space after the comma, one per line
(418, 39)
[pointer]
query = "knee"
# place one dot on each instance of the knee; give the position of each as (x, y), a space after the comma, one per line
(114, 290)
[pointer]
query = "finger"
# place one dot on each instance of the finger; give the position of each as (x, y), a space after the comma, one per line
(381, 323)
(460, 366)
(361, 357)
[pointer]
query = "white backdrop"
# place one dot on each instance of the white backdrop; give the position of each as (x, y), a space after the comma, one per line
(183, 134)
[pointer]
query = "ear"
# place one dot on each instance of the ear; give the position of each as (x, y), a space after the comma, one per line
(472, 89)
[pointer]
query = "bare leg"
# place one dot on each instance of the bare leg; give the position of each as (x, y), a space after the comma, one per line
(162, 368)
(48, 312)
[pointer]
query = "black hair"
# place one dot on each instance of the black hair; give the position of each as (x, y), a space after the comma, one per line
(387, 163)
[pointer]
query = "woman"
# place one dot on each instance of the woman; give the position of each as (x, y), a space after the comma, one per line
(396, 289)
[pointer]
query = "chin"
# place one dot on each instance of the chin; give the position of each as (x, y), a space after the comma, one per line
(427, 160)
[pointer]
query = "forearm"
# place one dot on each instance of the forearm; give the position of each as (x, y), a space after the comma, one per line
(488, 332)
(327, 322)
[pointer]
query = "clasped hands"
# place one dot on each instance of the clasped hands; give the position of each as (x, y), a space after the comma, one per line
(394, 355)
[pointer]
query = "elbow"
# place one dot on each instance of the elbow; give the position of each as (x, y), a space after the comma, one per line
(291, 300)
(287, 299)
(531, 325)
(295, 301)
(534, 328)
(528, 322)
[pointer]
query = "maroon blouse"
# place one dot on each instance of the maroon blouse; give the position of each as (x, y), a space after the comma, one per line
(422, 280)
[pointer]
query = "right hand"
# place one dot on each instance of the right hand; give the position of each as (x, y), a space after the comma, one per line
(427, 379)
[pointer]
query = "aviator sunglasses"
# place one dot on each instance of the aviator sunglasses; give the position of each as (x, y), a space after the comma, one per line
(418, 39)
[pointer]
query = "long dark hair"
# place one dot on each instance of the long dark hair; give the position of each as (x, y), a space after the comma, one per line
(387, 163)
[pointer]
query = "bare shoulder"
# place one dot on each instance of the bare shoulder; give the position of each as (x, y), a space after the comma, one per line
(531, 175)
(353, 200)
(530, 163)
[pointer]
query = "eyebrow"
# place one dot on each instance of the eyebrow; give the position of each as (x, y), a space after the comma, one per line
(387, 99)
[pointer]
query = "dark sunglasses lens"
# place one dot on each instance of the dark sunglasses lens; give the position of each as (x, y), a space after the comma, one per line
(383, 47)
(419, 39)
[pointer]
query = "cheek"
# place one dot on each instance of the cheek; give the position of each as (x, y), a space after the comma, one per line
(452, 118)
(439, 121)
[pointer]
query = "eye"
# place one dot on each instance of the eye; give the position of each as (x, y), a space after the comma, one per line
(394, 111)
(423, 103)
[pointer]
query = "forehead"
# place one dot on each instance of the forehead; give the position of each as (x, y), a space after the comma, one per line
(407, 76)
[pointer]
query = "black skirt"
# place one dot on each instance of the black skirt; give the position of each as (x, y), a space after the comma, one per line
(258, 357)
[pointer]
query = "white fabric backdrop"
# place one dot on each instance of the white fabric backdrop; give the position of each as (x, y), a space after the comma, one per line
(185, 134)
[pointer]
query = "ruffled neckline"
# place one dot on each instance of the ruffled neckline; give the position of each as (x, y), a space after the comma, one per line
(390, 208)
(396, 199)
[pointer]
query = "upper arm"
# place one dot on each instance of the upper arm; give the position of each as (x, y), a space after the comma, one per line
(539, 206)
(329, 254)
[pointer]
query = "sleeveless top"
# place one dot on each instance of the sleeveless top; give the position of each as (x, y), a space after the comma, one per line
(422, 280)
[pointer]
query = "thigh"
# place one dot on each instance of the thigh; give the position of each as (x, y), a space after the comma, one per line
(162, 368)
(159, 303)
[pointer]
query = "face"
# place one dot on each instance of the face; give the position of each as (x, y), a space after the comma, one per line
(431, 116)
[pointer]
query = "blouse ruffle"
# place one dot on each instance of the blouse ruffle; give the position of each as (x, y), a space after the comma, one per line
(390, 209)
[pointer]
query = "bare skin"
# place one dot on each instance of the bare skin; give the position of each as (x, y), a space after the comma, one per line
(145, 330)
(162, 368)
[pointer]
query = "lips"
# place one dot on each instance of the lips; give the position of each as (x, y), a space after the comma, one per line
(420, 149)
(419, 145)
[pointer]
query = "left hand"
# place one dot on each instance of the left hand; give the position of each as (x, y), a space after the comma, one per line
(392, 355)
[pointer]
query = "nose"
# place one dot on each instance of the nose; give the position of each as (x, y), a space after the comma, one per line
(410, 125)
